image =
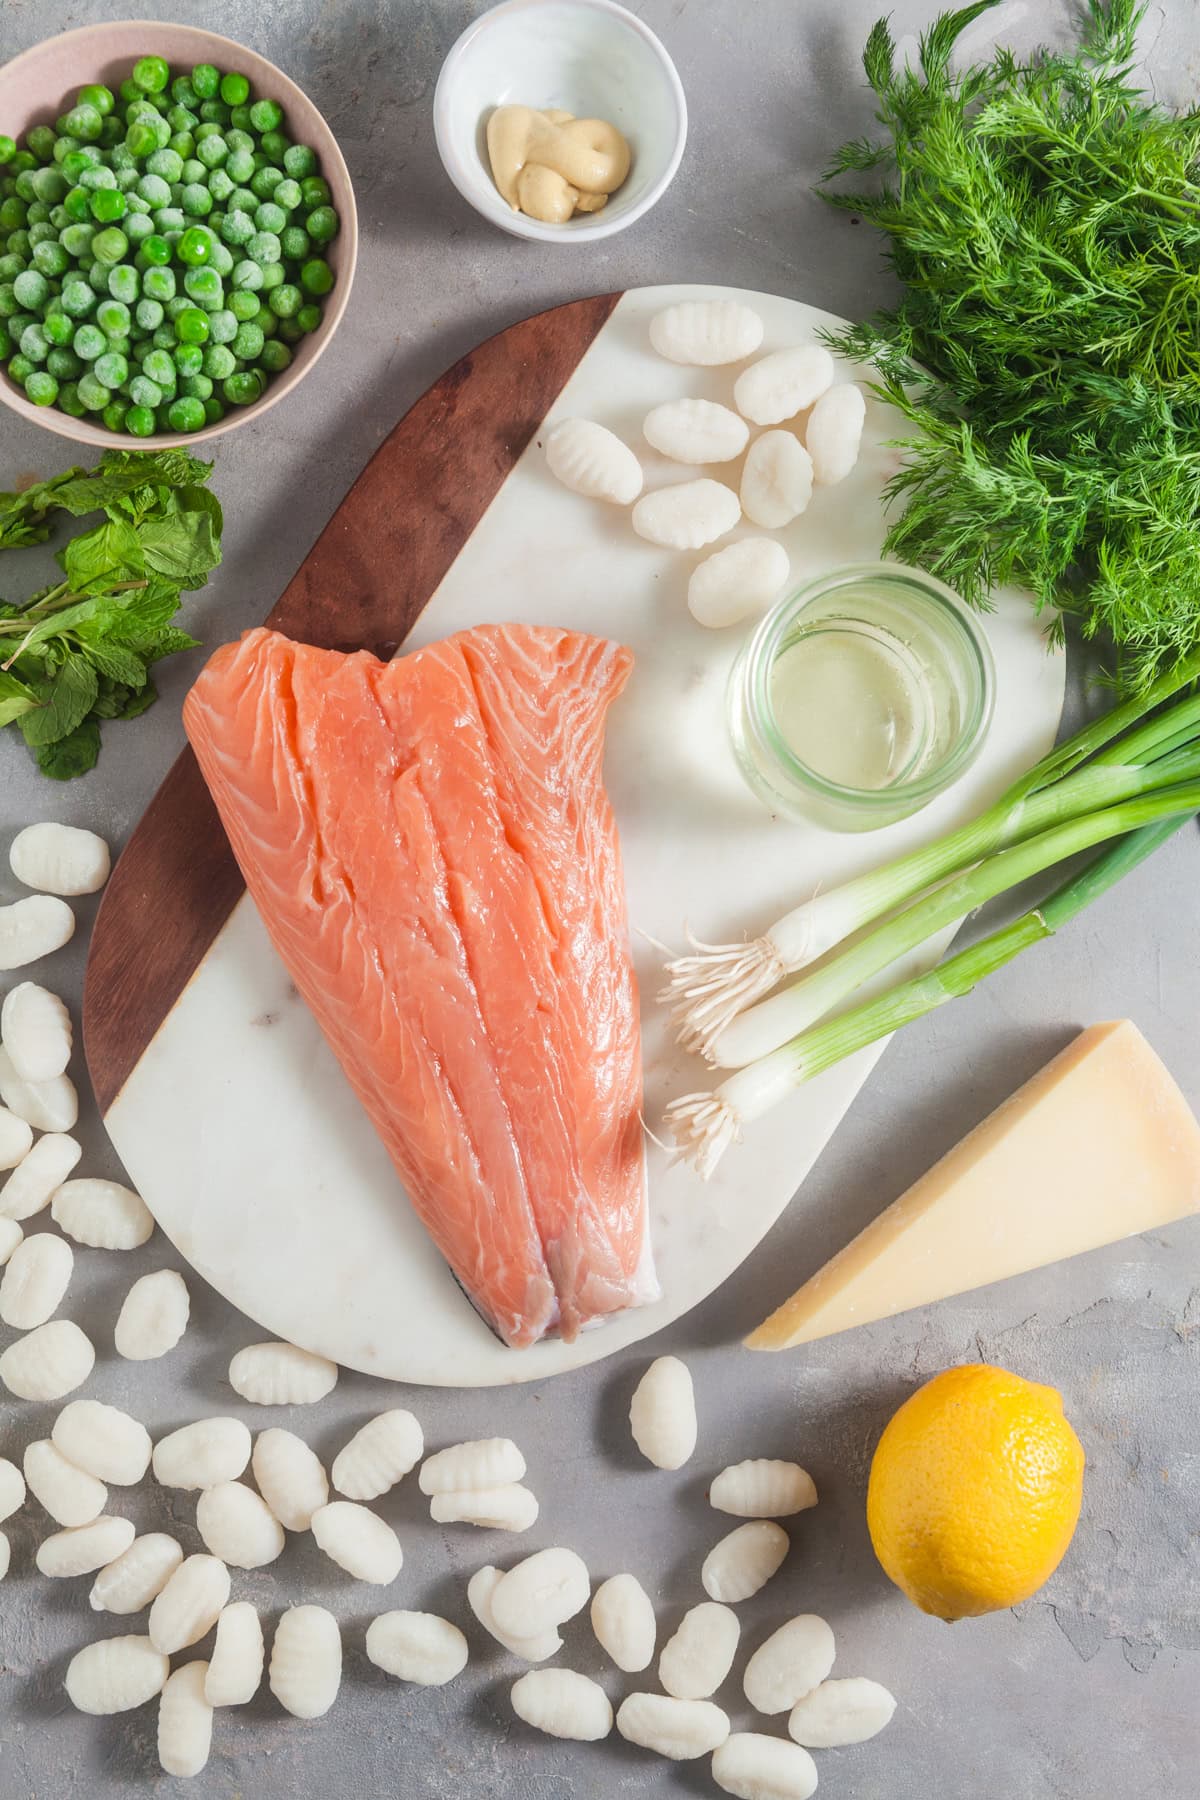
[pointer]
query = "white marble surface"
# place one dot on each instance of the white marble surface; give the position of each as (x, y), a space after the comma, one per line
(288, 1203)
(1088, 1692)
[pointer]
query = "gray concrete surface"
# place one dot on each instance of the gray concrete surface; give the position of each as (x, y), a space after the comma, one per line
(1088, 1692)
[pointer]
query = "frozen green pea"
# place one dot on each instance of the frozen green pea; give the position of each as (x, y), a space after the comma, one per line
(113, 317)
(34, 344)
(287, 195)
(266, 115)
(186, 414)
(141, 139)
(222, 326)
(8, 147)
(239, 166)
(188, 358)
(192, 170)
(220, 186)
(13, 213)
(31, 289)
(20, 367)
(269, 221)
(177, 304)
(205, 287)
(165, 337)
(316, 276)
(183, 144)
(244, 388)
(219, 362)
(51, 259)
(165, 163)
(213, 410)
(196, 200)
(76, 240)
(150, 74)
(234, 89)
(108, 205)
(286, 300)
(93, 393)
(155, 190)
(115, 413)
(244, 305)
(299, 161)
(215, 112)
(263, 248)
(69, 401)
(127, 180)
(222, 259)
(159, 284)
(195, 246)
(78, 299)
(110, 245)
(138, 227)
(139, 420)
(168, 219)
(243, 199)
(59, 327)
(43, 233)
(183, 92)
(41, 140)
(192, 326)
(247, 345)
(98, 278)
(205, 81)
(89, 342)
(145, 392)
(156, 249)
(23, 188)
(41, 387)
(97, 95)
(273, 275)
(237, 227)
(315, 191)
(8, 300)
(149, 314)
(247, 275)
(49, 186)
(198, 386)
(124, 283)
(265, 180)
(85, 123)
(159, 367)
(85, 156)
(322, 224)
(211, 150)
(112, 369)
(63, 364)
(275, 145)
(275, 356)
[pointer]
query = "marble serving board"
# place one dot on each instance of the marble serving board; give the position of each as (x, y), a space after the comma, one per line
(220, 1094)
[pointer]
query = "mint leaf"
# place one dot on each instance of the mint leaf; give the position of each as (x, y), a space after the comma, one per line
(73, 755)
(64, 701)
(15, 698)
(116, 663)
(182, 546)
(111, 552)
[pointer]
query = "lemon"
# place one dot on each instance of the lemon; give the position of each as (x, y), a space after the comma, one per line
(975, 1491)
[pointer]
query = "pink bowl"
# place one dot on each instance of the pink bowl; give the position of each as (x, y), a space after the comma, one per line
(33, 89)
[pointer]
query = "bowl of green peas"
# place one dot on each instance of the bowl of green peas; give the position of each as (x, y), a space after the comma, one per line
(178, 234)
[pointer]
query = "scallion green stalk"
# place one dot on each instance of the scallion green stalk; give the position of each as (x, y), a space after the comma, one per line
(754, 1034)
(706, 1124)
(711, 985)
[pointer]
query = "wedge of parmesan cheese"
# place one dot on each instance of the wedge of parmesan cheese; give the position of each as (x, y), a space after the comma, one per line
(1099, 1145)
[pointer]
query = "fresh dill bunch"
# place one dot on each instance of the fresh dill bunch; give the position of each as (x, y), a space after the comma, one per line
(1044, 220)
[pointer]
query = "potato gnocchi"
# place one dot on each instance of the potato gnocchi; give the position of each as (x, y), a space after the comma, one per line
(138, 1576)
(105, 1215)
(593, 461)
(563, 1704)
(103, 1441)
(153, 1316)
(380, 1454)
(706, 332)
(744, 1562)
(235, 1668)
(46, 1105)
(35, 1280)
(306, 1661)
(419, 1647)
(185, 1721)
(48, 1363)
(60, 859)
(35, 1027)
(696, 431)
(278, 1374)
(115, 1675)
(69, 1495)
(662, 1413)
(34, 1182)
(688, 515)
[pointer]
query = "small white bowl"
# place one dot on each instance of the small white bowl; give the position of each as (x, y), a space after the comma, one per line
(589, 57)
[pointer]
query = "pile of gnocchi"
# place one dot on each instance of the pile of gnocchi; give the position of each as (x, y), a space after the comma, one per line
(779, 472)
(91, 1448)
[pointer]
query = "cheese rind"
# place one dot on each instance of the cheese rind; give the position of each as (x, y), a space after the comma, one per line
(1098, 1146)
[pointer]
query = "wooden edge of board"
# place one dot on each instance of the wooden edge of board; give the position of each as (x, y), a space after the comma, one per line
(363, 585)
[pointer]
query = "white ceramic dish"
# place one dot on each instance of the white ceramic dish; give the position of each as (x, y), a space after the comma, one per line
(286, 1201)
(588, 57)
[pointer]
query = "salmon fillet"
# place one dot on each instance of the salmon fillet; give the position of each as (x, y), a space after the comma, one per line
(433, 854)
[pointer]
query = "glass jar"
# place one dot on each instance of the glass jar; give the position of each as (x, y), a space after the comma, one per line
(861, 696)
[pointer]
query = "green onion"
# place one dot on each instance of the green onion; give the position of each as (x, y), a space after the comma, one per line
(705, 1125)
(715, 982)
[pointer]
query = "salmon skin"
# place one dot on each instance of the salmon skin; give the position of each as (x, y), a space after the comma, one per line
(433, 854)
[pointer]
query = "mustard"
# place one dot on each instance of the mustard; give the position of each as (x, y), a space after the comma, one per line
(551, 165)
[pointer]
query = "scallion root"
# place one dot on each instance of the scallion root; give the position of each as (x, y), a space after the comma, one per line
(708, 989)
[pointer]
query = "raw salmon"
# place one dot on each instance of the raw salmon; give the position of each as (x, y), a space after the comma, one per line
(434, 856)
